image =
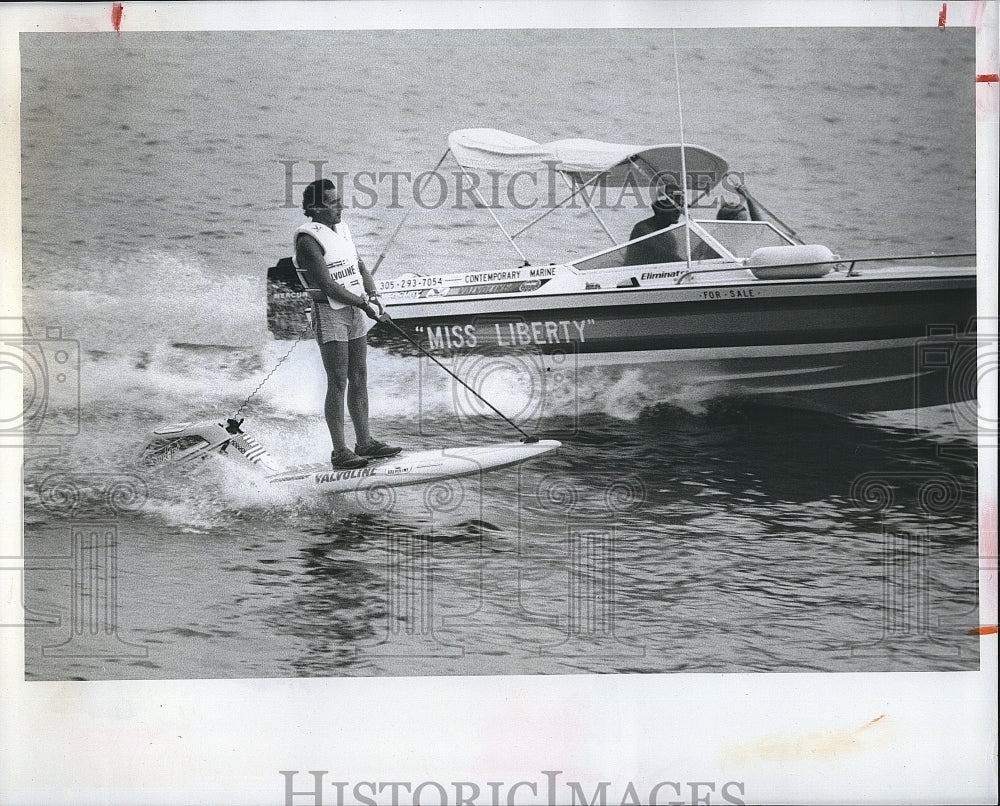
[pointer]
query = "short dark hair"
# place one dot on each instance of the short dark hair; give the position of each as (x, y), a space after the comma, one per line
(312, 196)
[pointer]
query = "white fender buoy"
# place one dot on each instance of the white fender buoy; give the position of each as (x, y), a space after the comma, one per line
(798, 262)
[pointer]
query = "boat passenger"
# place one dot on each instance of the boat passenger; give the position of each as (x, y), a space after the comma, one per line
(728, 211)
(754, 213)
(732, 211)
(667, 246)
(325, 252)
(744, 209)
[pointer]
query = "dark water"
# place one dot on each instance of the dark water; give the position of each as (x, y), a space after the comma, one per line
(738, 539)
(670, 533)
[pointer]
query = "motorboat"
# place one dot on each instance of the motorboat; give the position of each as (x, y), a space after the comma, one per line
(739, 306)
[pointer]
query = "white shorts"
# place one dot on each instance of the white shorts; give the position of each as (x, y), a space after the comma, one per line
(342, 324)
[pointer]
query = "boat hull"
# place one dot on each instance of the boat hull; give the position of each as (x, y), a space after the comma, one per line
(846, 345)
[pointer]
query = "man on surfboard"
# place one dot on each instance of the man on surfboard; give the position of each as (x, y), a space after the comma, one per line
(342, 316)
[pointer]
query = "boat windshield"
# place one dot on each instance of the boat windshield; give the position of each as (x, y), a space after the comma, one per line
(665, 246)
(742, 238)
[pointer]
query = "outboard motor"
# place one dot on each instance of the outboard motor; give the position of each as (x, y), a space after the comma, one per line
(183, 442)
(288, 302)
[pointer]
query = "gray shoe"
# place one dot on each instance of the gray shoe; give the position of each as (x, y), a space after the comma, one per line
(376, 450)
(345, 460)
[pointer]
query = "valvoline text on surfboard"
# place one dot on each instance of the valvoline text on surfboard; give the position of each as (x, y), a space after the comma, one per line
(344, 475)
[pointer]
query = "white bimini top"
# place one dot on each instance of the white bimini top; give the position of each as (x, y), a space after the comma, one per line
(340, 254)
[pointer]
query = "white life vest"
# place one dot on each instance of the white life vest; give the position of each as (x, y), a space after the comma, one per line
(340, 255)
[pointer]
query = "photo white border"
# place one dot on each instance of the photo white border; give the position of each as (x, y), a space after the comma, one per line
(790, 738)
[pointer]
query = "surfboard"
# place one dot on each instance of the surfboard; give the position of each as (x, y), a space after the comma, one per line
(416, 467)
(180, 442)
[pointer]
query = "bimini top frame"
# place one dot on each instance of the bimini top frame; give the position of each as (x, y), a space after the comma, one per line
(582, 163)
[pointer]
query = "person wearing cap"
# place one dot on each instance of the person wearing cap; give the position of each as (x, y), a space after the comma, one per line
(668, 247)
(665, 247)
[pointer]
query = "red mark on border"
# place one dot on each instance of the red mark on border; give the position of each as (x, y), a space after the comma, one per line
(943, 16)
(978, 9)
(988, 78)
(989, 630)
(116, 16)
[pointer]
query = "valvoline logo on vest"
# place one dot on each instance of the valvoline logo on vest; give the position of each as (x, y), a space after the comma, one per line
(340, 254)
(289, 286)
(338, 271)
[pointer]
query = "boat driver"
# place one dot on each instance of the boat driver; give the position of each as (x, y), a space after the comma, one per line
(665, 247)
(668, 247)
(343, 291)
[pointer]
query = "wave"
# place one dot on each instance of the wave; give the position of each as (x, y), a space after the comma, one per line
(139, 301)
(163, 336)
